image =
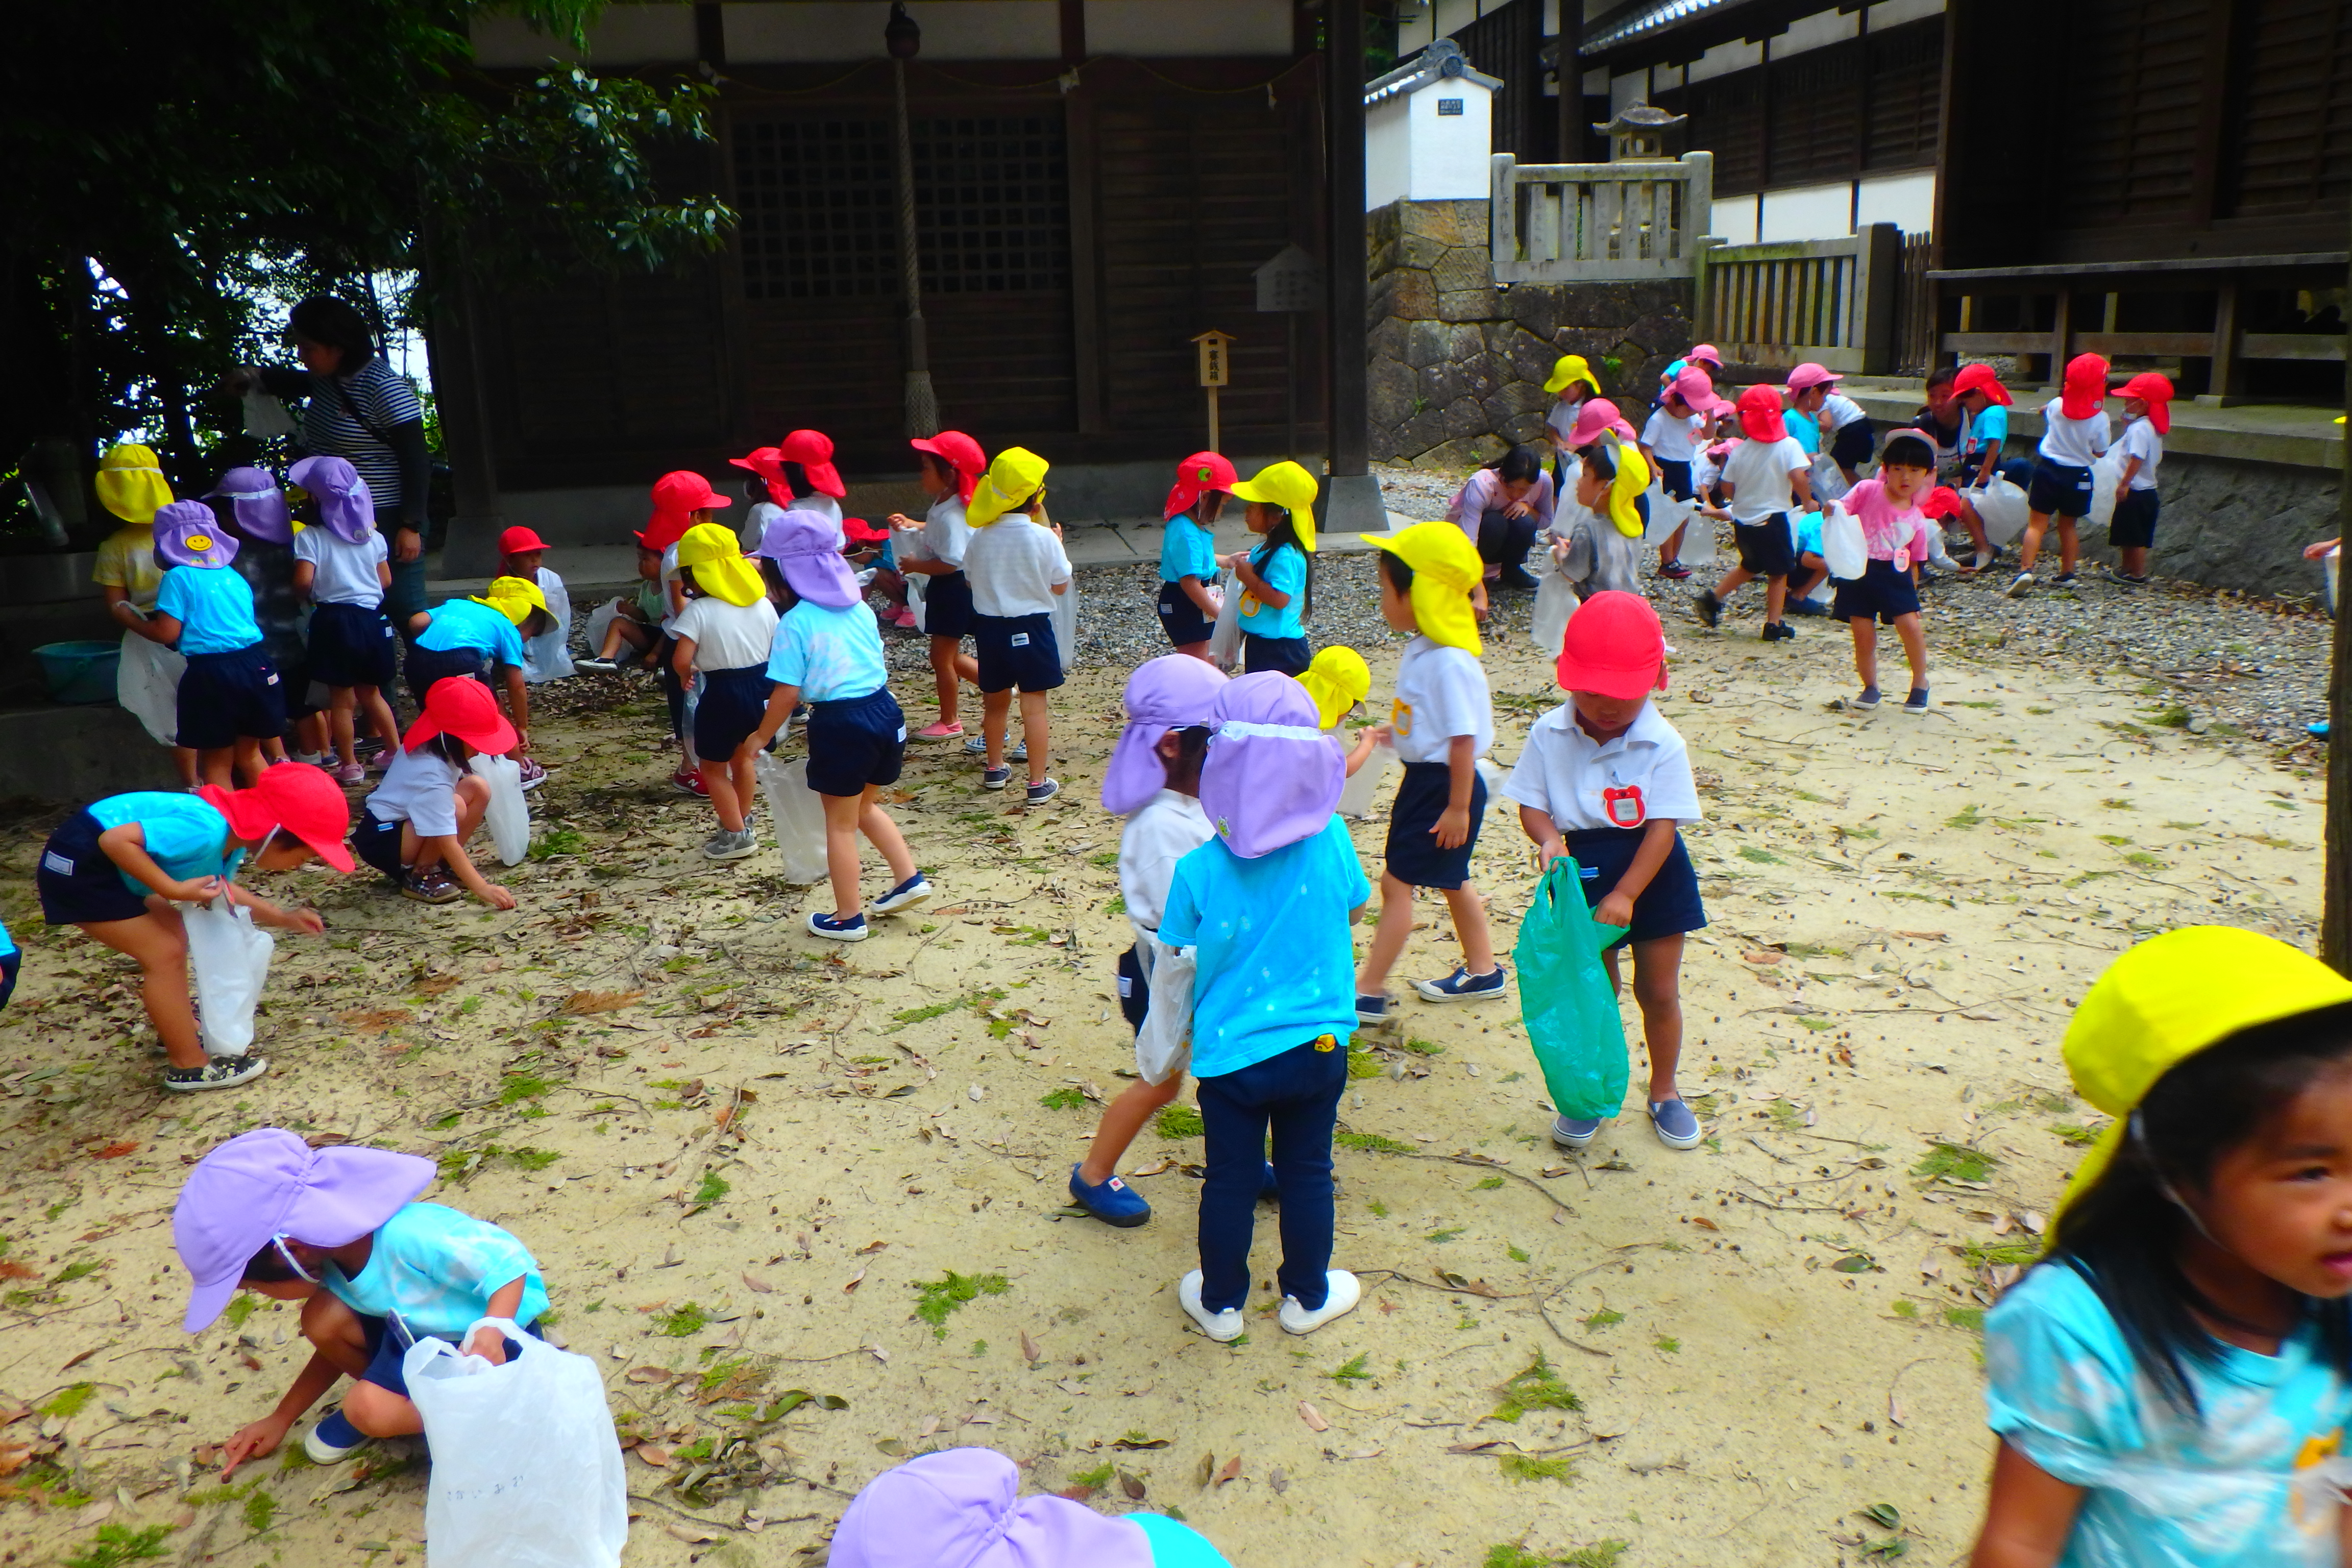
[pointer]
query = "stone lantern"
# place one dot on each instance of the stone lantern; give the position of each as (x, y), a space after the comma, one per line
(1638, 133)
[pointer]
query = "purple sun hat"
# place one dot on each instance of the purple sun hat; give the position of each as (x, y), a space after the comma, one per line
(256, 504)
(807, 550)
(1273, 777)
(188, 534)
(346, 508)
(962, 1507)
(1174, 691)
(268, 1184)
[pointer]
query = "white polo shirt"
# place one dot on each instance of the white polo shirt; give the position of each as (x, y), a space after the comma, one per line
(1013, 565)
(2073, 443)
(1565, 772)
(1441, 692)
(1760, 474)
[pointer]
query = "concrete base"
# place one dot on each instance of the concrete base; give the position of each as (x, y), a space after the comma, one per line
(75, 755)
(1353, 504)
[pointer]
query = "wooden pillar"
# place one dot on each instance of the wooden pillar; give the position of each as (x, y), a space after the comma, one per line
(471, 548)
(2061, 336)
(2226, 384)
(1355, 500)
(1074, 31)
(2335, 908)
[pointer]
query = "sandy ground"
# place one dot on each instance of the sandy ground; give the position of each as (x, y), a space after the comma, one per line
(739, 1178)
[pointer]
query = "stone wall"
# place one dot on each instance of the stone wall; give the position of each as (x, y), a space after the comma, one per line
(1457, 364)
(2229, 525)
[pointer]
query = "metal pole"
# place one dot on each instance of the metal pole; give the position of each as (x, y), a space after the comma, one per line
(1212, 419)
(922, 401)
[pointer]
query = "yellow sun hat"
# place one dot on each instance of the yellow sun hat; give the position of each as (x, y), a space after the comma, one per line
(1446, 568)
(1015, 476)
(1566, 372)
(513, 597)
(130, 483)
(2171, 997)
(1633, 478)
(720, 567)
(1337, 679)
(1289, 486)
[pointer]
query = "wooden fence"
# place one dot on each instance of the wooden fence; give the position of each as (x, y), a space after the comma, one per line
(1828, 300)
(1636, 221)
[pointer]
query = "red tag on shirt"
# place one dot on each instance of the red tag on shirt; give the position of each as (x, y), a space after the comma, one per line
(1623, 807)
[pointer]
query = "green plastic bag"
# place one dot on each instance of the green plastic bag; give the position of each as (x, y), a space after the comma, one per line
(1565, 998)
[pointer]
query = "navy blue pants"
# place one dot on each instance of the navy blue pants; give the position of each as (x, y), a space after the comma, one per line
(1296, 1095)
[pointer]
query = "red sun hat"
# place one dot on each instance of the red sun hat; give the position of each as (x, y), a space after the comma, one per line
(812, 450)
(1759, 414)
(305, 802)
(461, 706)
(1981, 378)
(2085, 388)
(2156, 390)
(1195, 477)
(1613, 646)
(677, 496)
(1941, 502)
(516, 539)
(860, 531)
(960, 453)
(768, 463)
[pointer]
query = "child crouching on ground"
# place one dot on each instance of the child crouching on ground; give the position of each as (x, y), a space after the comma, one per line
(1605, 778)
(827, 651)
(1896, 536)
(964, 1506)
(1267, 906)
(416, 825)
(1153, 781)
(723, 635)
(339, 1230)
(637, 616)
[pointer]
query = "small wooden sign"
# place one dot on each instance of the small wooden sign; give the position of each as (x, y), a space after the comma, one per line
(1216, 368)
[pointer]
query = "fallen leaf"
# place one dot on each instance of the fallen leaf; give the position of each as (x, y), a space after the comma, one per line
(650, 1374)
(692, 1533)
(1387, 1306)
(1279, 1481)
(116, 1151)
(2004, 1224)
(586, 1004)
(1704, 1223)
(1206, 1471)
(657, 1458)
(892, 1447)
(1232, 1471)
(1030, 1352)
(373, 1018)
(1894, 1417)
(2032, 1221)
(15, 1456)
(81, 1357)
(1765, 957)
(753, 1282)
(1313, 1417)
(931, 1425)
(252, 1362)
(854, 1281)
(1131, 1485)
(871, 1247)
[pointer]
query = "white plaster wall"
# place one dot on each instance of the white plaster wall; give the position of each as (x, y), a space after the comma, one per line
(1816, 31)
(822, 30)
(1894, 13)
(1906, 201)
(1725, 59)
(1733, 220)
(623, 36)
(1447, 155)
(1187, 28)
(1387, 154)
(1808, 212)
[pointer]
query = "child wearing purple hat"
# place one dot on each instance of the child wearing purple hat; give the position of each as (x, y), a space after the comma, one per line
(827, 651)
(1267, 906)
(962, 1507)
(344, 567)
(339, 1230)
(1153, 781)
(232, 704)
(253, 510)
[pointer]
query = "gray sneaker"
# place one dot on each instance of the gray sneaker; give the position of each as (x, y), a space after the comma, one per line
(218, 1072)
(725, 846)
(977, 746)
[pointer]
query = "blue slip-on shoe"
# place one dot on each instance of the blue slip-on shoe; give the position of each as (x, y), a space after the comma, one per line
(1372, 1009)
(1112, 1202)
(1461, 986)
(333, 1439)
(824, 925)
(1676, 1125)
(1575, 1131)
(906, 895)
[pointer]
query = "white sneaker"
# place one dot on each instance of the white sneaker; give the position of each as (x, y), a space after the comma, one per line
(1223, 1327)
(1342, 1294)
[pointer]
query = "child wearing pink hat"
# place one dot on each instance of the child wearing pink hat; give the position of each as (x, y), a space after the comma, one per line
(1267, 907)
(1606, 779)
(1669, 442)
(1847, 434)
(962, 1507)
(2074, 434)
(339, 1230)
(933, 551)
(1767, 480)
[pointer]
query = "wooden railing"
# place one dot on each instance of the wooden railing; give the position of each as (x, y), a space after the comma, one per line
(1592, 223)
(1828, 300)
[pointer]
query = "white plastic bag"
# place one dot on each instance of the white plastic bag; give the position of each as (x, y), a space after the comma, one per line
(548, 656)
(527, 1470)
(1164, 1045)
(1360, 795)
(147, 686)
(508, 818)
(1066, 626)
(796, 815)
(265, 416)
(2106, 473)
(1225, 637)
(919, 589)
(600, 621)
(2001, 507)
(1556, 603)
(230, 957)
(1698, 545)
(1843, 545)
(1666, 514)
(2333, 572)
(1828, 479)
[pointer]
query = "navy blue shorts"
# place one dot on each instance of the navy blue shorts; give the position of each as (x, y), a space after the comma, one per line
(1668, 906)
(377, 843)
(1850, 444)
(1881, 592)
(1016, 651)
(2134, 527)
(1291, 656)
(1134, 994)
(78, 884)
(386, 1353)
(425, 665)
(1181, 618)
(733, 702)
(947, 605)
(2059, 490)
(10, 964)
(1674, 478)
(1766, 549)
(229, 697)
(1414, 857)
(856, 742)
(352, 645)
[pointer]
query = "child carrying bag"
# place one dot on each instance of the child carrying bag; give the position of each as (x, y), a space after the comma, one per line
(1566, 1001)
(1360, 795)
(229, 956)
(2106, 473)
(508, 818)
(526, 1470)
(1225, 637)
(798, 815)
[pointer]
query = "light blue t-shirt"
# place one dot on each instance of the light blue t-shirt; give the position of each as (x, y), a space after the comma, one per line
(1186, 550)
(1284, 571)
(1803, 429)
(1175, 1546)
(7, 942)
(469, 623)
(183, 834)
(438, 1270)
(830, 654)
(214, 606)
(1275, 960)
(1990, 428)
(1808, 534)
(2166, 1489)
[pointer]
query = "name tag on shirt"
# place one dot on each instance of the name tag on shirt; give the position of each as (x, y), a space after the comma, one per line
(1401, 716)
(1020, 639)
(62, 865)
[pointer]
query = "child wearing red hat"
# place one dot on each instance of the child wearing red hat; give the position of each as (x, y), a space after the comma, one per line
(1606, 779)
(2074, 434)
(1188, 551)
(804, 465)
(414, 826)
(2147, 410)
(682, 499)
(1987, 403)
(119, 866)
(1766, 477)
(953, 463)
(546, 656)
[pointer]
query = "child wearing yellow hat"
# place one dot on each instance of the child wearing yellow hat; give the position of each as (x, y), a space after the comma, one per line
(1277, 577)
(2170, 1385)
(1442, 723)
(1017, 568)
(475, 637)
(1572, 382)
(132, 485)
(723, 635)
(1338, 679)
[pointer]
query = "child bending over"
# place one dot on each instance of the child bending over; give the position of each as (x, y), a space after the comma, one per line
(415, 825)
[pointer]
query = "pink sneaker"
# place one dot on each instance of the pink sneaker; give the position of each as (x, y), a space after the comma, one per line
(350, 773)
(904, 620)
(942, 731)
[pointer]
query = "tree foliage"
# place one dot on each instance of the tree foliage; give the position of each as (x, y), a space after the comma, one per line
(180, 168)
